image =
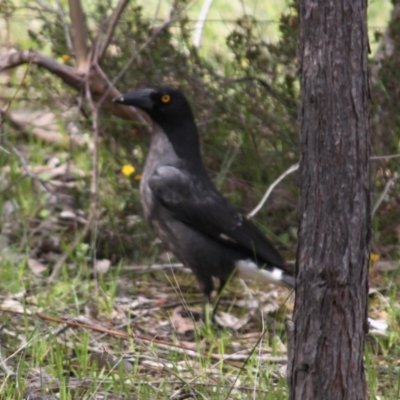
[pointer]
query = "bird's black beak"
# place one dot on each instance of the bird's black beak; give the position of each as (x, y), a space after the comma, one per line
(140, 99)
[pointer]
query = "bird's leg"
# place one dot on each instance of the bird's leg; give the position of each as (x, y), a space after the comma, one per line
(222, 283)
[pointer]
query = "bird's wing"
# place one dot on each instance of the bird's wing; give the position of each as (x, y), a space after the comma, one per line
(199, 205)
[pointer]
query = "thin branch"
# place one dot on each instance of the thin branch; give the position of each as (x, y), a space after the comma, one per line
(61, 14)
(30, 60)
(290, 170)
(198, 28)
(389, 183)
(45, 6)
(12, 58)
(386, 44)
(389, 157)
(95, 171)
(79, 34)
(295, 167)
(25, 166)
(3, 364)
(111, 27)
(157, 12)
(158, 342)
(133, 58)
(9, 145)
(64, 257)
(99, 82)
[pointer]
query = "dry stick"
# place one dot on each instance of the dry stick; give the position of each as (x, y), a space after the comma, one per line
(111, 27)
(32, 55)
(252, 352)
(61, 14)
(9, 145)
(18, 180)
(95, 169)
(124, 335)
(389, 157)
(198, 28)
(64, 257)
(72, 77)
(25, 166)
(45, 6)
(384, 193)
(156, 12)
(164, 26)
(293, 168)
(3, 364)
(246, 362)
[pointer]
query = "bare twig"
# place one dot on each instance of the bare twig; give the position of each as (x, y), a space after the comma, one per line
(157, 11)
(12, 58)
(10, 146)
(389, 183)
(111, 27)
(72, 77)
(128, 65)
(3, 364)
(198, 28)
(386, 45)
(290, 170)
(61, 14)
(95, 169)
(63, 258)
(154, 267)
(289, 325)
(30, 60)
(388, 157)
(160, 343)
(24, 165)
(45, 6)
(95, 128)
(295, 167)
(79, 34)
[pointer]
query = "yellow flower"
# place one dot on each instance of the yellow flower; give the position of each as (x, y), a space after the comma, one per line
(374, 257)
(66, 57)
(128, 169)
(138, 177)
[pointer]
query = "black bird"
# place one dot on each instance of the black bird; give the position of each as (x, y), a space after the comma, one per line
(186, 210)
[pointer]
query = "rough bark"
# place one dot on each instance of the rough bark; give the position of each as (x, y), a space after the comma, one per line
(330, 317)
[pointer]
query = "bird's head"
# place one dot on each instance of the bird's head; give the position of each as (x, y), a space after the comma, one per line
(165, 105)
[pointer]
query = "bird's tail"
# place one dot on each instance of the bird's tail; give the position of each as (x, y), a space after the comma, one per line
(288, 280)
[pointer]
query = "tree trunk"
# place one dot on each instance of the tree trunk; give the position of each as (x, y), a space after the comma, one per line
(330, 317)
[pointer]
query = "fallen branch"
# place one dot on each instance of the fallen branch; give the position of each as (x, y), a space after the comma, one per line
(160, 343)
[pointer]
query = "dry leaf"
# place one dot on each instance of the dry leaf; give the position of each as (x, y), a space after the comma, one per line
(229, 321)
(183, 320)
(36, 266)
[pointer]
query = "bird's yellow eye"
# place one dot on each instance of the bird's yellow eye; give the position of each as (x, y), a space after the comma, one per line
(166, 98)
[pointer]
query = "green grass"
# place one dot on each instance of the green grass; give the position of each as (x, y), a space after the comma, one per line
(80, 362)
(72, 360)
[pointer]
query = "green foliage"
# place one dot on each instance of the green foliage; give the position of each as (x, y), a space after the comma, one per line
(385, 128)
(246, 112)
